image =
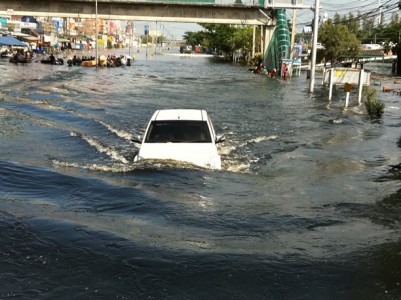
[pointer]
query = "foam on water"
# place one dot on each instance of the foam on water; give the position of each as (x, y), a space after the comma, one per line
(114, 168)
(263, 139)
(338, 121)
(119, 132)
(111, 152)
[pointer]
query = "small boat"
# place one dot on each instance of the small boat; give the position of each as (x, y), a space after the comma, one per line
(20, 58)
(6, 54)
(126, 60)
(39, 51)
(57, 61)
(88, 63)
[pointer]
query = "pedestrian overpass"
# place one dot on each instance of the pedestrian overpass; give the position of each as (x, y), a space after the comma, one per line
(241, 12)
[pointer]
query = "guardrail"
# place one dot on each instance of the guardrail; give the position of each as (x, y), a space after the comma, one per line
(251, 12)
(276, 4)
(261, 3)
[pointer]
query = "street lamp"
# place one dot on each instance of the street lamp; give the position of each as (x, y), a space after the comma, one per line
(314, 45)
(96, 36)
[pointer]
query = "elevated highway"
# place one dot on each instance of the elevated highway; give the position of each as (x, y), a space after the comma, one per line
(242, 12)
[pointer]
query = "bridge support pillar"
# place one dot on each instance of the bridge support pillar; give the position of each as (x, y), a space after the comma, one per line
(253, 41)
(268, 33)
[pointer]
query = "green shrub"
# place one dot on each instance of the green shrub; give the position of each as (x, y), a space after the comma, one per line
(374, 108)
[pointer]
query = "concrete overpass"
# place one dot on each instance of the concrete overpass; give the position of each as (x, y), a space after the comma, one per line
(242, 12)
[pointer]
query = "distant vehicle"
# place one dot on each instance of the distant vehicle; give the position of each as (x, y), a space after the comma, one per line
(186, 49)
(371, 46)
(185, 135)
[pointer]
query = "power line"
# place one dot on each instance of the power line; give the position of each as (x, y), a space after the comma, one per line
(389, 8)
(347, 7)
(365, 8)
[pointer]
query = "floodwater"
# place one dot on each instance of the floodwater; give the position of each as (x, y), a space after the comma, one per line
(307, 205)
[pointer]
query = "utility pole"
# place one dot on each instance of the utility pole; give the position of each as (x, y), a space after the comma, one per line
(147, 38)
(398, 68)
(380, 13)
(130, 32)
(157, 35)
(293, 32)
(314, 44)
(253, 41)
(96, 37)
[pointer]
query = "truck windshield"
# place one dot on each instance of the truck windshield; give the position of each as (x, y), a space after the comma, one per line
(178, 132)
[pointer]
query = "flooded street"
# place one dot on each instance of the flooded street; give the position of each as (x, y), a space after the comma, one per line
(307, 204)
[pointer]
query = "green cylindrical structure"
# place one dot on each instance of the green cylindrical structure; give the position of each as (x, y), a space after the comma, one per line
(280, 44)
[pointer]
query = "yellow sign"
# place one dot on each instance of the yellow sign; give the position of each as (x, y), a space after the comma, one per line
(347, 87)
(339, 73)
(346, 75)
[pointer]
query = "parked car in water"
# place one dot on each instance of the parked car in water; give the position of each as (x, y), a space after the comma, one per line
(186, 49)
(185, 135)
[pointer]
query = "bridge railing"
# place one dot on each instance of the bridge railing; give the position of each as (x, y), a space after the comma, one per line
(260, 3)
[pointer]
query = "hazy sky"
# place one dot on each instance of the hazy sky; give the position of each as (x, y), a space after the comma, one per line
(304, 16)
(171, 30)
(343, 7)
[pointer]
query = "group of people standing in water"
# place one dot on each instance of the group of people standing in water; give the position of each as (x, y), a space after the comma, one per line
(21, 56)
(110, 61)
(261, 69)
(18, 56)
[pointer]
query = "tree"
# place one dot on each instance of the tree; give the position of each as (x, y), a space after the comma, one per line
(337, 19)
(218, 36)
(395, 19)
(242, 39)
(389, 34)
(337, 41)
(194, 38)
(381, 19)
(365, 30)
(222, 37)
(352, 24)
(344, 21)
(366, 34)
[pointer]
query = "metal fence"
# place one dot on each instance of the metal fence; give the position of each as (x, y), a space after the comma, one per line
(258, 3)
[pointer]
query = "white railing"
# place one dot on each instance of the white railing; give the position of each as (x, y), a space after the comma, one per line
(261, 3)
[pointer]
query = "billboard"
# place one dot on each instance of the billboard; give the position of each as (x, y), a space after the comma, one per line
(346, 75)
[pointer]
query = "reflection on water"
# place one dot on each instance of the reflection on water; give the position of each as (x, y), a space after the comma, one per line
(306, 206)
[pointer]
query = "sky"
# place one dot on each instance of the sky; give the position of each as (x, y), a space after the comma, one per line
(343, 7)
(171, 30)
(303, 17)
